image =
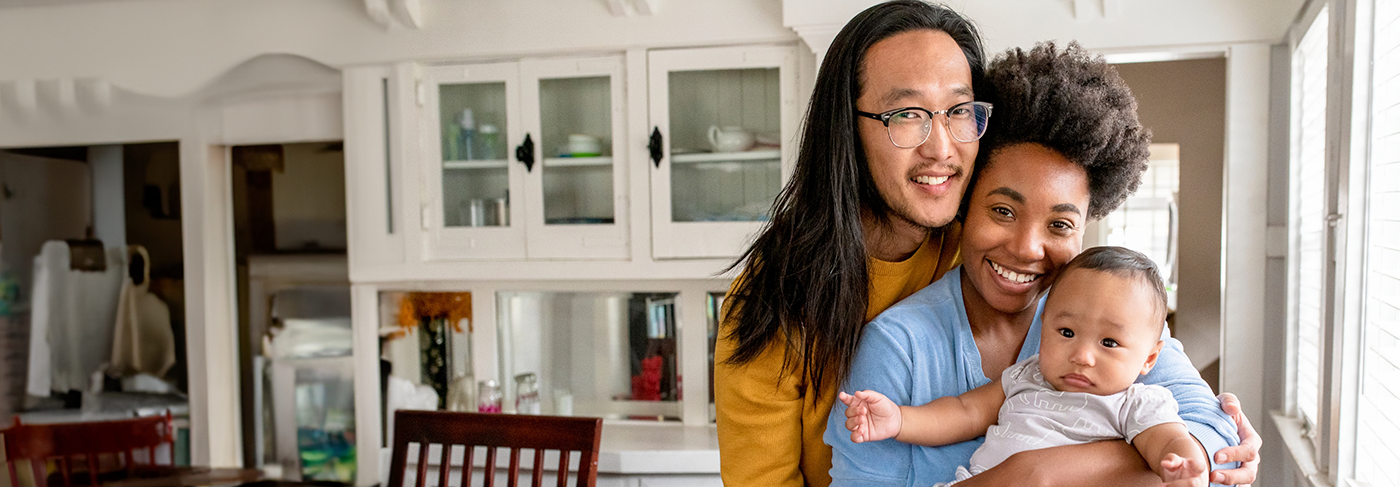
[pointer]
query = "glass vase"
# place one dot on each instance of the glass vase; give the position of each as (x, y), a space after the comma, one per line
(461, 391)
(432, 346)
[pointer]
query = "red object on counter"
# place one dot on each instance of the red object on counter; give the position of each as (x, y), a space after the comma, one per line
(647, 386)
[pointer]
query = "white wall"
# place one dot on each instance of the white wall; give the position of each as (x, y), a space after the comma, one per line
(308, 198)
(41, 199)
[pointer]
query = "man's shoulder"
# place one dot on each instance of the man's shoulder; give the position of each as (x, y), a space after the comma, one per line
(936, 296)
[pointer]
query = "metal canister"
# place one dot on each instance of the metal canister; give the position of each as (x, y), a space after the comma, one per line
(500, 211)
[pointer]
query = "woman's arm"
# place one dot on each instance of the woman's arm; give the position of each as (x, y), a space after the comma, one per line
(1246, 453)
(1104, 463)
(1196, 403)
(882, 363)
(758, 415)
(1068, 466)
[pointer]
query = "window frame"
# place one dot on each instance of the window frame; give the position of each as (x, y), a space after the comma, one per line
(1350, 31)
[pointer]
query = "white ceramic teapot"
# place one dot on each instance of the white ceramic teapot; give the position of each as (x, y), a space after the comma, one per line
(730, 139)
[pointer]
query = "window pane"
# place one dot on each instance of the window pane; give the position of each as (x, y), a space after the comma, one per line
(1309, 132)
(1378, 424)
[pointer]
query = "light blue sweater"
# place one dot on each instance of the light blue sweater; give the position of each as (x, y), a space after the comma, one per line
(922, 349)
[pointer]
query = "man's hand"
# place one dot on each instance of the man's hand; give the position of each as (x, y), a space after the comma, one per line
(871, 416)
(1247, 453)
(1184, 472)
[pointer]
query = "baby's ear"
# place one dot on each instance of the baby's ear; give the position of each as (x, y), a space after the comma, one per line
(1152, 357)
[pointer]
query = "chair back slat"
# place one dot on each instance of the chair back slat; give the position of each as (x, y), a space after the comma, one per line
(513, 480)
(564, 467)
(490, 472)
(422, 479)
(467, 466)
(537, 479)
(67, 470)
(92, 470)
(444, 464)
(567, 435)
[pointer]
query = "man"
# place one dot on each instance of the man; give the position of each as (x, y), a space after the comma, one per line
(866, 220)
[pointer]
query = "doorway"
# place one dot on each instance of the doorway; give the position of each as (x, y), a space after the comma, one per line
(57, 205)
(294, 309)
(1183, 103)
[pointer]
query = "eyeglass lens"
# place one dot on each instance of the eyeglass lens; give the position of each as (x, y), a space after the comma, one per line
(911, 127)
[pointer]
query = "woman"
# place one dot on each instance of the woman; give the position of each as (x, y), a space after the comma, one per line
(862, 224)
(1065, 148)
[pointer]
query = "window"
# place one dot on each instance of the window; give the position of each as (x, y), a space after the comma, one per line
(1309, 128)
(1345, 244)
(1378, 410)
(1147, 221)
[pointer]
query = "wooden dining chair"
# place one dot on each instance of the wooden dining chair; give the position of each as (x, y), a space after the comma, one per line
(65, 443)
(564, 434)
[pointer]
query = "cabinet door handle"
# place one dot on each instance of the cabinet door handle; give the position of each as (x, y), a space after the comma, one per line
(525, 153)
(655, 146)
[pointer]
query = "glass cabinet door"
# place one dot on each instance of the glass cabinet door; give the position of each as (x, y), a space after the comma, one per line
(574, 108)
(722, 120)
(473, 186)
(608, 354)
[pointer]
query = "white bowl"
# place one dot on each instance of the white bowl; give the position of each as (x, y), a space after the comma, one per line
(584, 144)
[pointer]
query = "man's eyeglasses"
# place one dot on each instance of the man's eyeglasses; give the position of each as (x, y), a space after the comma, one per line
(909, 127)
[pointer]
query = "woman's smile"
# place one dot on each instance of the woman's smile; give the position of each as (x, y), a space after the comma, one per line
(1013, 276)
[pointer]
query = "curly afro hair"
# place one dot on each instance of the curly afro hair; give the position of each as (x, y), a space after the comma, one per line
(1074, 103)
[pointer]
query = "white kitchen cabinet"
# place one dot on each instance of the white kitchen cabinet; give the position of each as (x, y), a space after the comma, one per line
(374, 109)
(542, 172)
(523, 160)
(709, 200)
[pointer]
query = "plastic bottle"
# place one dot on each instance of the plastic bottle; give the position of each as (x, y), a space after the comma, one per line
(452, 139)
(490, 136)
(468, 137)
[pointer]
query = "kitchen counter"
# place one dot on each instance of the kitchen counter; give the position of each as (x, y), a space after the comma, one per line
(642, 448)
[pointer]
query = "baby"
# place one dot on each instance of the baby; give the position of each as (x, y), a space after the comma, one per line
(1101, 329)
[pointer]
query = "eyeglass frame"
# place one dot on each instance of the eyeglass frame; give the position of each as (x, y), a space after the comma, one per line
(884, 118)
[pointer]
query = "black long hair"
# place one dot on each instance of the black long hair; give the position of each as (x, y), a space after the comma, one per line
(1073, 102)
(806, 280)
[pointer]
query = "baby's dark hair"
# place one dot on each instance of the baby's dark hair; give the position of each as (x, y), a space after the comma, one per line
(1122, 262)
(1074, 103)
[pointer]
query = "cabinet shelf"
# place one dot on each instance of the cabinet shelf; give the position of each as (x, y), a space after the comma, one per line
(476, 164)
(746, 156)
(577, 161)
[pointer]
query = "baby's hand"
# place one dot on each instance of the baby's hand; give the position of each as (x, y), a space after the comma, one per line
(1183, 472)
(871, 416)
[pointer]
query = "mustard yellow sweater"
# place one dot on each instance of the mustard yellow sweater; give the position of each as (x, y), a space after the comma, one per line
(770, 422)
